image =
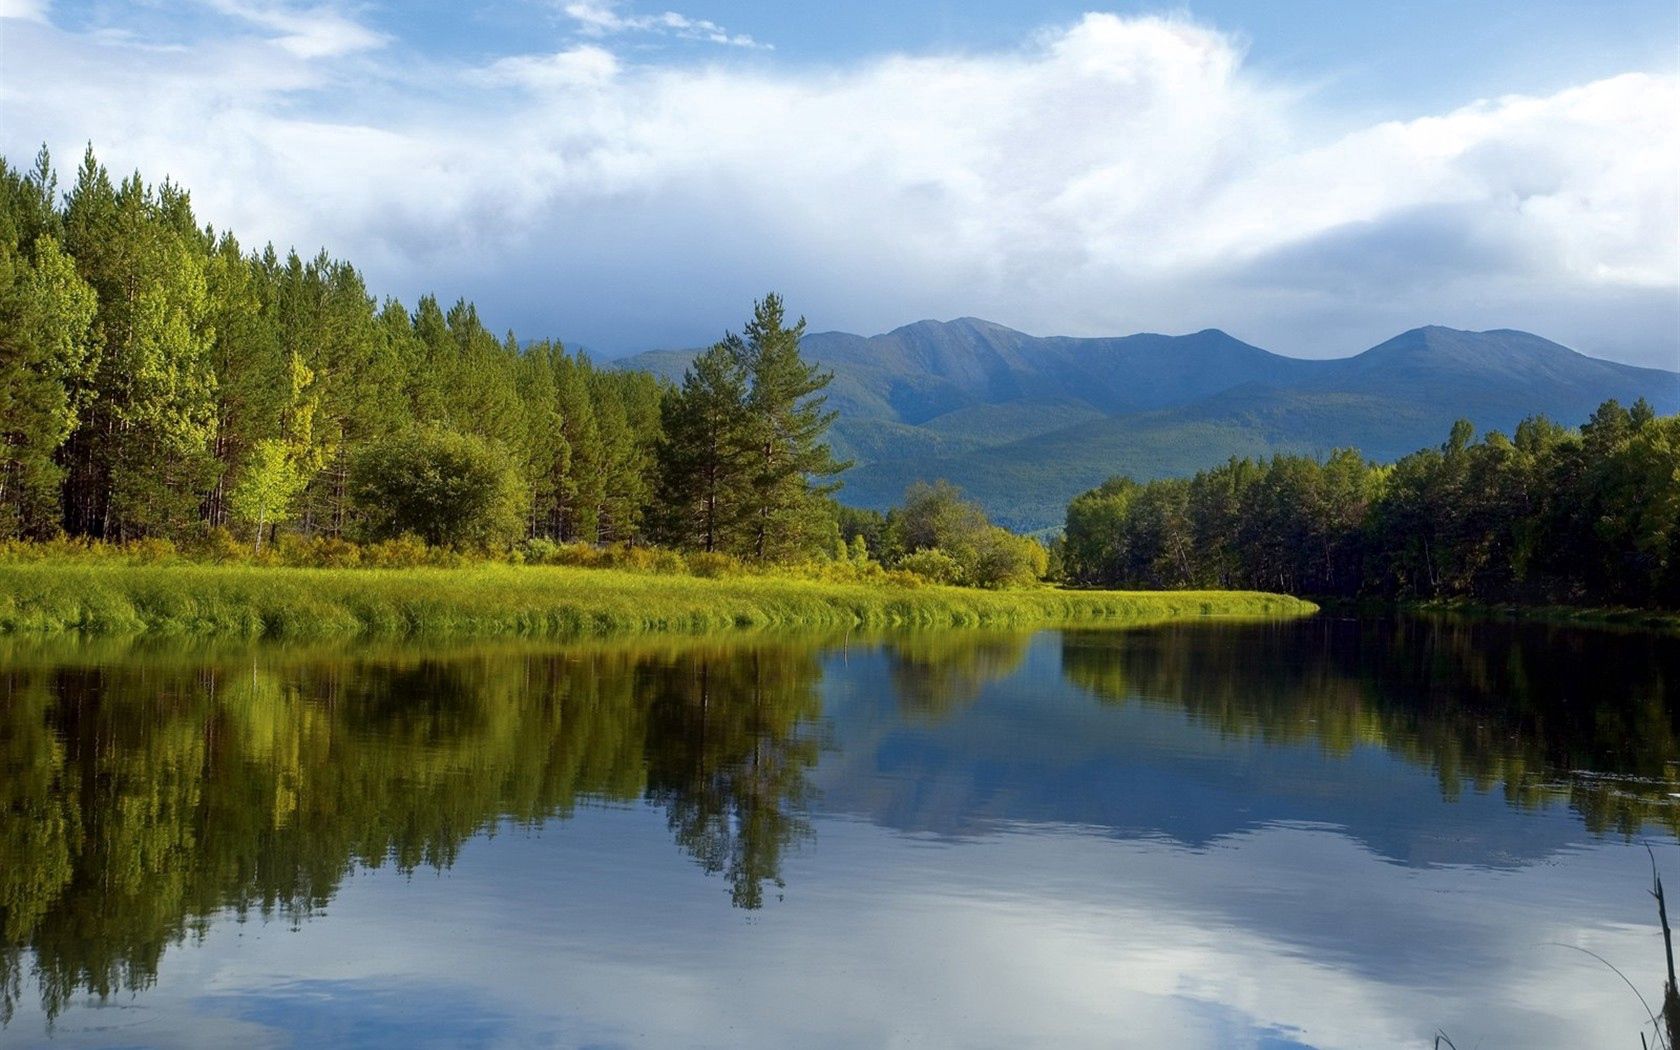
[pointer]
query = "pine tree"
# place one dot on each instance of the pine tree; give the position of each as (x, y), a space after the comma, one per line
(46, 350)
(786, 420)
(545, 458)
(705, 453)
(140, 459)
(249, 366)
(578, 498)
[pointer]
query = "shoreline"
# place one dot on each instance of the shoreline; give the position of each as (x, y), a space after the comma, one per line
(1571, 615)
(493, 600)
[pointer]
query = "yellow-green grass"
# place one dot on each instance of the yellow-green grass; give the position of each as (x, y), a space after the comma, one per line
(537, 601)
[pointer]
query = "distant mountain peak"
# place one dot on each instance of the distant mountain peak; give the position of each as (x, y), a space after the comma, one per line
(972, 325)
(1495, 349)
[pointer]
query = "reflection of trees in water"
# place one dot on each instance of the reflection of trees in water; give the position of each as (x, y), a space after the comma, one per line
(139, 799)
(1522, 707)
(727, 757)
(936, 672)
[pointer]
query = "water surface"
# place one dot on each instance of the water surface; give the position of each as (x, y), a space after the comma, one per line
(1326, 833)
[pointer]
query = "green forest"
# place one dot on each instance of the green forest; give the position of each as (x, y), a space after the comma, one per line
(1550, 515)
(159, 380)
(161, 383)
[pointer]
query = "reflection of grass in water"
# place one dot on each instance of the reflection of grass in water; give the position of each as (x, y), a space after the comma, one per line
(935, 672)
(501, 600)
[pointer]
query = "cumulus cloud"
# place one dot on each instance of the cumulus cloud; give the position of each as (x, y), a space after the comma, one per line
(1111, 175)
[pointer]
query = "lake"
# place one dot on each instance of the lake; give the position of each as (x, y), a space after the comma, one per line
(1333, 832)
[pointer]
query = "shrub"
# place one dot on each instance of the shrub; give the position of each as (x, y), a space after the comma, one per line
(901, 578)
(1003, 559)
(714, 565)
(403, 552)
(221, 546)
(539, 551)
(932, 565)
(667, 562)
(936, 517)
(318, 552)
(449, 489)
(152, 550)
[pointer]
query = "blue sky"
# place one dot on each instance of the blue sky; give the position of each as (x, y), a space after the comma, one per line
(1311, 176)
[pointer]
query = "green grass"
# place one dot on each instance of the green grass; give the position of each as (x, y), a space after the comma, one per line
(492, 600)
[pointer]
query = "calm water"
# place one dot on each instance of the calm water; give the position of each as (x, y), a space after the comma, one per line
(1331, 833)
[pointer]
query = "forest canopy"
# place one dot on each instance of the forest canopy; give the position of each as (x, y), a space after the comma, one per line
(160, 380)
(1587, 516)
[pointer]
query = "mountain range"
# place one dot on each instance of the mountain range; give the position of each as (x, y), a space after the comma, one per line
(1023, 423)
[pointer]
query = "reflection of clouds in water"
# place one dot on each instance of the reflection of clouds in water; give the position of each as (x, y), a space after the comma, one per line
(1012, 845)
(1157, 762)
(1053, 938)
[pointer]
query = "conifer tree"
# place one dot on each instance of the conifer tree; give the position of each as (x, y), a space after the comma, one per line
(248, 363)
(140, 460)
(705, 452)
(545, 458)
(46, 310)
(786, 419)
(579, 497)
(621, 499)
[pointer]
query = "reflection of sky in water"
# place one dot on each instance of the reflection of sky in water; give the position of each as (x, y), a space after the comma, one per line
(600, 934)
(1028, 867)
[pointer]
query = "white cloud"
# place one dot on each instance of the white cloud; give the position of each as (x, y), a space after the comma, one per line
(576, 67)
(1112, 175)
(24, 10)
(307, 32)
(602, 18)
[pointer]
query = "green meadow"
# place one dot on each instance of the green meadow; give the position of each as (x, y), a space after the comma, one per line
(499, 600)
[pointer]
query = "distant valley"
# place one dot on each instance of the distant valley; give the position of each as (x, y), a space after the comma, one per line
(1024, 423)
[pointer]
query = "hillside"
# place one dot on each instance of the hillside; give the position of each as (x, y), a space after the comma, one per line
(1023, 423)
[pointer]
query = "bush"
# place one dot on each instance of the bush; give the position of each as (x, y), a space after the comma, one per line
(932, 565)
(222, 547)
(318, 552)
(539, 550)
(404, 552)
(714, 565)
(937, 518)
(449, 489)
(151, 551)
(1003, 559)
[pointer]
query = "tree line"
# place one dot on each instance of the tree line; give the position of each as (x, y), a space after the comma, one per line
(1586, 516)
(157, 379)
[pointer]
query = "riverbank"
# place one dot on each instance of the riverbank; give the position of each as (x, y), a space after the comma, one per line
(1579, 616)
(491, 600)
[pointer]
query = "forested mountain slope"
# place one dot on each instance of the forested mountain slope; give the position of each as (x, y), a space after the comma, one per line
(1024, 423)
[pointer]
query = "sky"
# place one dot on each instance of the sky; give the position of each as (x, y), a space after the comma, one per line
(1311, 176)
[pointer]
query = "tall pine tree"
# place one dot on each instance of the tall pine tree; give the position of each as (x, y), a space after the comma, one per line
(704, 456)
(787, 509)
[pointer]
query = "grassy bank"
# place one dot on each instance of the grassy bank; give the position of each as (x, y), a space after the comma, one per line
(502, 600)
